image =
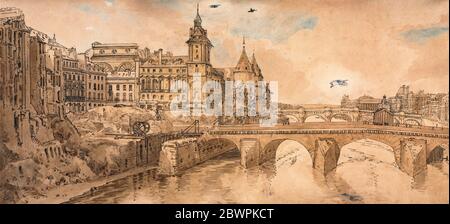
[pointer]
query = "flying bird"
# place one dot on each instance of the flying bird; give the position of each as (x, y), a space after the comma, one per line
(252, 10)
(338, 82)
(214, 6)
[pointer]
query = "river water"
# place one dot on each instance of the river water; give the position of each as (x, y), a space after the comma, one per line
(366, 173)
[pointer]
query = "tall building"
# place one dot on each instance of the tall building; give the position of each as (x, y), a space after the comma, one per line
(121, 62)
(50, 78)
(15, 68)
(25, 86)
(74, 83)
(95, 85)
(157, 73)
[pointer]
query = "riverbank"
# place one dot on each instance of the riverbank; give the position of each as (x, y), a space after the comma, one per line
(64, 193)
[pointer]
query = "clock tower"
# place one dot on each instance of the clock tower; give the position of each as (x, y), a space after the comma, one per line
(199, 47)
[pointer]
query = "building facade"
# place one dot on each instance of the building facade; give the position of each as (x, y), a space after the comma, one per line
(95, 86)
(121, 63)
(74, 83)
(25, 86)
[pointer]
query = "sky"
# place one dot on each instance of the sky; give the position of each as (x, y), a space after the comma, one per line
(376, 45)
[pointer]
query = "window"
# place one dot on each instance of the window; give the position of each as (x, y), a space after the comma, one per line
(124, 87)
(130, 87)
(117, 87)
(130, 97)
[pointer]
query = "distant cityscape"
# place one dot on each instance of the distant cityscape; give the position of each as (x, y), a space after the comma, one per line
(432, 106)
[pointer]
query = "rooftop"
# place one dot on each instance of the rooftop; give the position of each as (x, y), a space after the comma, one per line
(10, 13)
(97, 44)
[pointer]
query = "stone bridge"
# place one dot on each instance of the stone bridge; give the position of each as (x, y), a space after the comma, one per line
(327, 114)
(413, 148)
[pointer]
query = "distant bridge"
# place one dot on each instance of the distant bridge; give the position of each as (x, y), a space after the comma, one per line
(327, 114)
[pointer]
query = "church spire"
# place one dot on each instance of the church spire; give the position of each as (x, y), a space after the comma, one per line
(255, 65)
(244, 63)
(198, 19)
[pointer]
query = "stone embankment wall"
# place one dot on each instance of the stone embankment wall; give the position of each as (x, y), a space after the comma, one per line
(179, 155)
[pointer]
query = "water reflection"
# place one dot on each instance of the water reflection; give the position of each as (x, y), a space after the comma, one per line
(366, 173)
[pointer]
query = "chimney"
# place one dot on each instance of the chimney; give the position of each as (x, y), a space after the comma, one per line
(160, 51)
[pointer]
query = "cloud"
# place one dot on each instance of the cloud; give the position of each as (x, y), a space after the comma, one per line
(85, 8)
(109, 3)
(276, 28)
(421, 35)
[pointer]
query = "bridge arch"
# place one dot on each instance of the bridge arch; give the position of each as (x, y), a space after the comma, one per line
(212, 143)
(270, 149)
(292, 118)
(315, 118)
(436, 152)
(413, 121)
(341, 116)
(372, 149)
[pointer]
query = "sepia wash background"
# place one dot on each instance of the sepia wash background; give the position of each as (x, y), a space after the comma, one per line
(376, 45)
(301, 44)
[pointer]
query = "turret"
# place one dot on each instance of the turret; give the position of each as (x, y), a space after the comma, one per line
(255, 67)
(199, 44)
(244, 64)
